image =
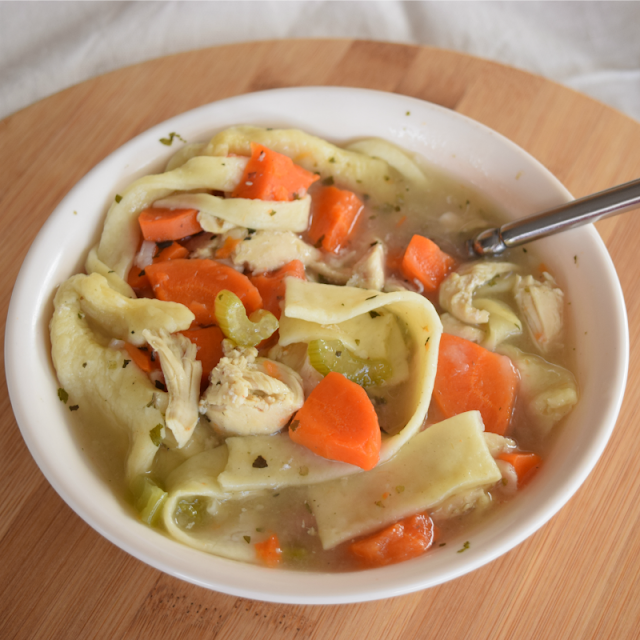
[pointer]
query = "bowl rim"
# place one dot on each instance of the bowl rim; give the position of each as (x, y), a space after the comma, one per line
(286, 586)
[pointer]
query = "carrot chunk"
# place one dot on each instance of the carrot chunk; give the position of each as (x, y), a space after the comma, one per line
(143, 357)
(470, 377)
(338, 422)
(208, 341)
(525, 464)
(227, 248)
(195, 283)
(159, 225)
(269, 551)
(335, 213)
(424, 261)
(174, 251)
(271, 285)
(408, 538)
(272, 176)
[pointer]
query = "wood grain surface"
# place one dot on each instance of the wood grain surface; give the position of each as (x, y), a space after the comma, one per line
(577, 577)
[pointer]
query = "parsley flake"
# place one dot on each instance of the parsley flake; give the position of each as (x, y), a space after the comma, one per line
(63, 395)
(259, 463)
(169, 141)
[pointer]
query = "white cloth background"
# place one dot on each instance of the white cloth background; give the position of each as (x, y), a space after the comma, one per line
(590, 46)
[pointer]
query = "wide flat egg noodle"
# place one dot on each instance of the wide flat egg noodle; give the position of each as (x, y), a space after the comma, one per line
(196, 479)
(322, 305)
(109, 394)
(243, 212)
(120, 237)
(445, 459)
(354, 170)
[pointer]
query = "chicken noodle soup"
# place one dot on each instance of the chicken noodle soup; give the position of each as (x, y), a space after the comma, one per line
(277, 357)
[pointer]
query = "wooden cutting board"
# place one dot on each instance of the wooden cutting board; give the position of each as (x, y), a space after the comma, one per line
(578, 577)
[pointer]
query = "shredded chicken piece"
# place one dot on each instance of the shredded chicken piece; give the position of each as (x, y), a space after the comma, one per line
(270, 250)
(247, 397)
(498, 444)
(296, 357)
(460, 504)
(456, 292)
(182, 374)
(541, 306)
(368, 272)
(454, 327)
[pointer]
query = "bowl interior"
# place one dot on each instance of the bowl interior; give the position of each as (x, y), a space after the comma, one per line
(463, 148)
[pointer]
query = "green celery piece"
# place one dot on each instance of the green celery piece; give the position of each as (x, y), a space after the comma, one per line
(332, 355)
(149, 499)
(232, 318)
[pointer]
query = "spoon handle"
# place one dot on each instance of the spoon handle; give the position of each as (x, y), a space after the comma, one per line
(592, 208)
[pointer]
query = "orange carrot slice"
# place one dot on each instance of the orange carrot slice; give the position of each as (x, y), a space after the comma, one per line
(208, 341)
(470, 377)
(335, 213)
(338, 422)
(227, 248)
(408, 538)
(195, 283)
(174, 251)
(159, 225)
(424, 261)
(271, 285)
(525, 464)
(269, 551)
(143, 357)
(272, 176)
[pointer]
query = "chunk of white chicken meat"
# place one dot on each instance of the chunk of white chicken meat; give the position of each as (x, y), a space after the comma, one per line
(460, 504)
(458, 289)
(182, 374)
(296, 357)
(548, 391)
(270, 250)
(454, 327)
(540, 303)
(368, 272)
(248, 395)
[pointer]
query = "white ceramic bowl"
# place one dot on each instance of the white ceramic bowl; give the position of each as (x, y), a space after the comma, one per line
(461, 147)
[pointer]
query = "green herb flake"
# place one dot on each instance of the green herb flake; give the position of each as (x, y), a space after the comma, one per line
(113, 364)
(272, 212)
(465, 546)
(318, 244)
(75, 407)
(81, 316)
(63, 395)
(357, 341)
(372, 297)
(426, 342)
(575, 259)
(247, 539)
(156, 435)
(378, 503)
(400, 488)
(259, 463)
(442, 544)
(294, 425)
(260, 529)
(408, 113)
(118, 198)
(84, 365)
(304, 471)
(387, 178)
(327, 182)
(275, 495)
(332, 159)
(307, 506)
(374, 314)
(125, 363)
(524, 250)
(169, 141)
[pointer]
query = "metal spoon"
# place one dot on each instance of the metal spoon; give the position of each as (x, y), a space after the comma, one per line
(604, 204)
